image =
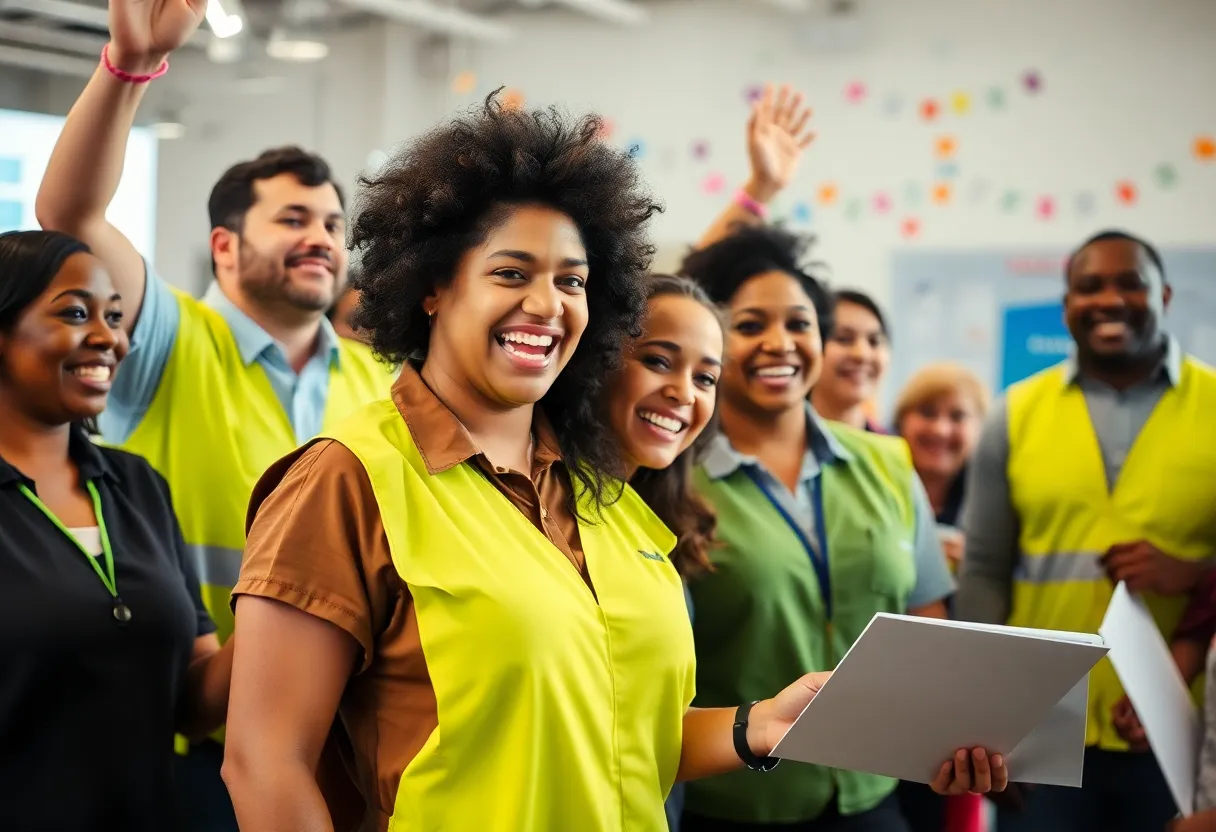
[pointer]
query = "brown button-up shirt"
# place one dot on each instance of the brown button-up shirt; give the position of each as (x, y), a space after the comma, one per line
(316, 541)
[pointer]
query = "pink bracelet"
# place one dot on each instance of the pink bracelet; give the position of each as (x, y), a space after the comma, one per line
(748, 204)
(127, 77)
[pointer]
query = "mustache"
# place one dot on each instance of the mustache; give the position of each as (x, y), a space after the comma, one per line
(311, 254)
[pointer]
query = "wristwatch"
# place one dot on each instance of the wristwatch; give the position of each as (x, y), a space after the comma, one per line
(743, 749)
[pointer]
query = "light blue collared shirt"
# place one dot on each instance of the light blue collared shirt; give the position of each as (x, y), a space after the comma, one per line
(302, 395)
(933, 579)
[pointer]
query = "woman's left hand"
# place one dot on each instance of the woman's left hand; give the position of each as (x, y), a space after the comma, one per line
(771, 718)
(971, 772)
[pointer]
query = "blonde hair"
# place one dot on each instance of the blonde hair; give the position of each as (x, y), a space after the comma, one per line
(935, 380)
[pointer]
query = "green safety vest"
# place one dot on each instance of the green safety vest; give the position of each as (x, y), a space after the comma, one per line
(559, 709)
(760, 619)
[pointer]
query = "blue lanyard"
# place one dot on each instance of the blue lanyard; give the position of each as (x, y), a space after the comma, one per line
(818, 556)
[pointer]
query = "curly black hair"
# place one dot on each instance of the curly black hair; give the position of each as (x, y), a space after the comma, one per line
(442, 195)
(722, 267)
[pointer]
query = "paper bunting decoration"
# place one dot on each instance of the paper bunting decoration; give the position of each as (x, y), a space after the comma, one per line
(978, 191)
(942, 193)
(960, 102)
(607, 128)
(996, 98)
(753, 93)
(852, 209)
(1032, 81)
(855, 92)
(1204, 148)
(945, 147)
(910, 227)
(1045, 208)
(1010, 200)
(713, 183)
(1125, 192)
(947, 170)
(512, 100)
(881, 202)
(802, 212)
(636, 148)
(464, 82)
(892, 105)
(700, 150)
(827, 194)
(1085, 204)
(929, 109)
(1167, 175)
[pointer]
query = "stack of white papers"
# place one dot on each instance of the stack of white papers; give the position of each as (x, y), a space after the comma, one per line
(911, 691)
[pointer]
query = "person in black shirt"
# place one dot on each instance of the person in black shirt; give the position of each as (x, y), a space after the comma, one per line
(105, 645)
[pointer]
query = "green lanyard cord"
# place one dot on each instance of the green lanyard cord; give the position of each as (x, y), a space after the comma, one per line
(107, 579)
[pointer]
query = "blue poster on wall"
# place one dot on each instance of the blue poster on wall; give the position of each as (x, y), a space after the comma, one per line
(998, 313)
(1034, 338)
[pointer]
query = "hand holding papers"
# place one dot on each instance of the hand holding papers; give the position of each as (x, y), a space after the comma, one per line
(912, 691)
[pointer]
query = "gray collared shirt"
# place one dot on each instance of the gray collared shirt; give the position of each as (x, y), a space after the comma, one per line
(933, 580)
(990, 521)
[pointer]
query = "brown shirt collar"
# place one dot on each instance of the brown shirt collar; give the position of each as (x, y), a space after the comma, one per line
(442, 440)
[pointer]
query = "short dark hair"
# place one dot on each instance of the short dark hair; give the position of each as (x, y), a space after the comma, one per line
(669, 491)
(863, 300)
(233, 194)
(722, 267)
(1116, 234)
(443, 193)
(29, 261)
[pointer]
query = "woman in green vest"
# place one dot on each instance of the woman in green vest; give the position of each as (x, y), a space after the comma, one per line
(820, 526)
(456, 580)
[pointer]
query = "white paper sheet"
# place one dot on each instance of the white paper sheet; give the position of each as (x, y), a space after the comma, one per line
(911, 691)
(1157, 691)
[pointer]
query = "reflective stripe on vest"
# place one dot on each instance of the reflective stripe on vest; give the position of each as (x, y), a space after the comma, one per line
(530, 673)
(213, 428)
(1068, 516)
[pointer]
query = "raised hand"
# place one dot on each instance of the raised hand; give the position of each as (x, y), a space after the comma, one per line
(144, 32)
(971, 772)
(776, 136)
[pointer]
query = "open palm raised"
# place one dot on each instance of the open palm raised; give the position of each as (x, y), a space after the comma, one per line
(144, 32)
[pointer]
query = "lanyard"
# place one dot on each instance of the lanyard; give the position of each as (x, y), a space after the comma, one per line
(122, 613)
(817, 554)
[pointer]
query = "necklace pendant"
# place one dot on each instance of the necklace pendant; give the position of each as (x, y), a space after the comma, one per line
(122, 613)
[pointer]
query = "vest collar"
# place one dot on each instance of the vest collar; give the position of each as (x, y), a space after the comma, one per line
(442, 441)
(1170, 366)
(81, 449)
(721, 459)
(252, 341)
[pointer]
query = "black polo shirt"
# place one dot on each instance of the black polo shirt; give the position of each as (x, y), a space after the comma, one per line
(87, 704)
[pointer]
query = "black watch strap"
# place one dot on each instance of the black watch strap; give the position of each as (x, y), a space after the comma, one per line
(743, 749)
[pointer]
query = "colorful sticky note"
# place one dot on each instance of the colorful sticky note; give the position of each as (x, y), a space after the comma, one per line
(1204, 148)
(960, 102)
(801, 212)
(753, 93)
(1125, 192)
(1010, 200)
(945, 147)
(636, 148)
(607, 128)
(892, 105)
(513, 100)
(855, 92)
(881, 202)
(1045, 207)
(1167, 175)
(700, 149)
(942, 193)
(464, 82)
(910, 227)
(1032, 81)
(713, 183)
(852, 208)
(996, 98)
(10, 215)
(1085, 203)
(947, 170)
(827, 194)
(929, 109)
(10, 171)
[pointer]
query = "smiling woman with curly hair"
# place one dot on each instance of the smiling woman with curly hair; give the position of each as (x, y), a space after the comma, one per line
(459, 574)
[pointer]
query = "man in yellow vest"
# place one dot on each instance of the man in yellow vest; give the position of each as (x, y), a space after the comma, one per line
(1092, 472)
(215, 390)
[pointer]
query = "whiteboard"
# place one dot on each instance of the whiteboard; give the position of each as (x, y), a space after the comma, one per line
(1000, 314)
(26, 140)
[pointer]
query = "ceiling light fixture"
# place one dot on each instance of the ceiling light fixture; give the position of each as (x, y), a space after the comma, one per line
(614, 11)
(223, 24)
(450, 21)
(296, 45)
